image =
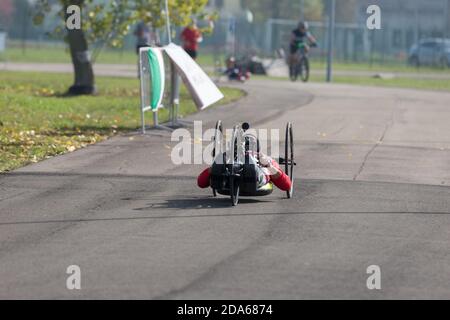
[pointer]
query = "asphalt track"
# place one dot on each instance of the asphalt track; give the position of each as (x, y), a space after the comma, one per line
(372, 188)
(277, 68)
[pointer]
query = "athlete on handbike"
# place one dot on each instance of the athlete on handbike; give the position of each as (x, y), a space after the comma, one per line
(267, 171)
(256, 171)
(240, 168)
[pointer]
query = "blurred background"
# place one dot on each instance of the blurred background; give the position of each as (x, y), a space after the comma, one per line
(262, 27)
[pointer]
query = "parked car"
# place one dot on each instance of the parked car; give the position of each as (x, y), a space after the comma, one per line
(433, 51)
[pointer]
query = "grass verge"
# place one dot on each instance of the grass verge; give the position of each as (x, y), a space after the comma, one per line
(408, 83)
(36, 122)
(397, 82)
(397, 67)
(58, 54)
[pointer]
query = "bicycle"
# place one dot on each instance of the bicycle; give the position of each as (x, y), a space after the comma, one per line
(300, 65)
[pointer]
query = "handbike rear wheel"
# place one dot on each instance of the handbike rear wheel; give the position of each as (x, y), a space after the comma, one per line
(235, 157)
(218, 144)
(289, 158)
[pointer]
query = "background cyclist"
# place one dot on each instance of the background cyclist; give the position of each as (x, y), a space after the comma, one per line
(300, 36)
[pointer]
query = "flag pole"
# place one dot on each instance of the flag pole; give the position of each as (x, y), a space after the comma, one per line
(174, 78)
(331, 31)
(169, 33)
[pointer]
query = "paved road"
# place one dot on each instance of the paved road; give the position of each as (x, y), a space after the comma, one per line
(278, 69)
(372, 187)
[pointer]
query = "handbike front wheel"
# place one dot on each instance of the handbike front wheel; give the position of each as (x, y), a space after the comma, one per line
(234, 190)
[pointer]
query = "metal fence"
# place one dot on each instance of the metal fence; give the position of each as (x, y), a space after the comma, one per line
(353, 41)
(404, 22)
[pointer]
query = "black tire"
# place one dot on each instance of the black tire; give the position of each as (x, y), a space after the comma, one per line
(414, 61)
(289, 157)
(234, 190)
(293, 72)
(304, 69)
(218, 139)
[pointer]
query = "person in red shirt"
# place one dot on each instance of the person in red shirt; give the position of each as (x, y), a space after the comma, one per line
(191, 37)
(268, 169)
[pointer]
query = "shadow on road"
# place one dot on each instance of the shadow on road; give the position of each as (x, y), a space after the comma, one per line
(197, 203)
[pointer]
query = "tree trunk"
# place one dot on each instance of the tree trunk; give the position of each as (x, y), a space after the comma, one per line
(81, 60)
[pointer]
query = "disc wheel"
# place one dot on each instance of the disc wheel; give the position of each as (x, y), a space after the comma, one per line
(218, 144)
(289, 158)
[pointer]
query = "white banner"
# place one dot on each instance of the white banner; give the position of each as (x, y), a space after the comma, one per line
(202, 88)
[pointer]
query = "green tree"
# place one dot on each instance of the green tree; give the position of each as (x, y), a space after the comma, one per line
(285, 9)
(106, 22)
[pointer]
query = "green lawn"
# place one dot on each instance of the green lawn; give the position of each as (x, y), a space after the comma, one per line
(397, 82)
(407, 83)
(397, 67)
(412, 83)
(58, 54)
(36, 122)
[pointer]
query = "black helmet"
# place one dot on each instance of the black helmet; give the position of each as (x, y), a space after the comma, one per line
(303, 25)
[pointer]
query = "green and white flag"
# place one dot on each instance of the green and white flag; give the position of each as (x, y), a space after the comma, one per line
(157, 76)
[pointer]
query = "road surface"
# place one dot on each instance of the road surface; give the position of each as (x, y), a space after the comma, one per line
(372, 188)
(277, 69)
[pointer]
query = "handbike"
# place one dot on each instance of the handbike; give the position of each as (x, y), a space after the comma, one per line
(234, 174)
